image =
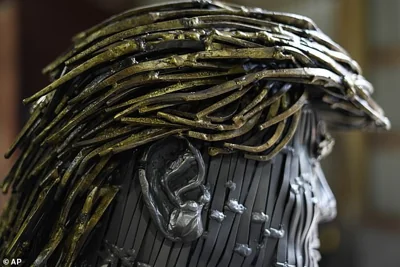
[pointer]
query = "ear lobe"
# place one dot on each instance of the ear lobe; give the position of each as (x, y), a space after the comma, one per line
(172, 176)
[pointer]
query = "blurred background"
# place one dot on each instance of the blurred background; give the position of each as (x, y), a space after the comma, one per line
(364, 169)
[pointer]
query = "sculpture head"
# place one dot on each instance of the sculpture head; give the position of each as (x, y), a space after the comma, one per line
(205, 119)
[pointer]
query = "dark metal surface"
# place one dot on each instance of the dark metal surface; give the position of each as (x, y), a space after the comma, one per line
(259, 214)
(172, 182)
(110, 158)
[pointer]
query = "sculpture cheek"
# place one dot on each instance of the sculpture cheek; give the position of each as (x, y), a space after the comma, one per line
(324, 198)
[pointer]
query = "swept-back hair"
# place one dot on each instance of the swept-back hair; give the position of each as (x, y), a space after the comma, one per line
(235, 78)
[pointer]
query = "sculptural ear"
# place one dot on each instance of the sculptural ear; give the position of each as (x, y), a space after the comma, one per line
(171, 176)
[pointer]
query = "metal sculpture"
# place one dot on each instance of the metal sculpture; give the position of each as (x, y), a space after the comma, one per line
(183, 134)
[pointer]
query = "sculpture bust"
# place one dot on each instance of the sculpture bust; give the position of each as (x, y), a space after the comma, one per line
(184, 134)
